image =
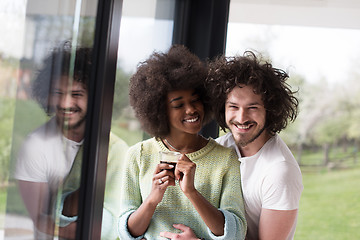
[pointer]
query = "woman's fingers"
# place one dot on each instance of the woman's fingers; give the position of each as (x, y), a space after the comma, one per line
(164, 175)
(184, 167)
(164, 166)
(166, 181)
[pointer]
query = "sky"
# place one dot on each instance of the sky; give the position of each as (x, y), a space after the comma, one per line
(312, 52)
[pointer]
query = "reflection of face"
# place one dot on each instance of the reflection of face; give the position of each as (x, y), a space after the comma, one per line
(69, 99)
(245, 115)
(185, 111)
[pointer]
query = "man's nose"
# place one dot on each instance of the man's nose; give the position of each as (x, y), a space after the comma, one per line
(242, 115)
(66, 101)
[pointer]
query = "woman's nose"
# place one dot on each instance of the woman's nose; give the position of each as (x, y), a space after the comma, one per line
(190, 109)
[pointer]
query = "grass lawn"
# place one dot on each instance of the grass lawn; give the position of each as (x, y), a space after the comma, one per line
(330, 205)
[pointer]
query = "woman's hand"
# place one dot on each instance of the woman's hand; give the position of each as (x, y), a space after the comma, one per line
(185, 173)
(139, 220)
(163, 177)
(187, 233)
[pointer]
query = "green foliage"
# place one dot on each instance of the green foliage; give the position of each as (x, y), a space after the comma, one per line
(7, 107)
(28, 116)
(3, 194)
(121, 93)
(13, 201)
(329, 130)
(129, 136)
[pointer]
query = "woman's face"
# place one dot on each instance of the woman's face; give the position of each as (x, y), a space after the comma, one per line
(185, 111)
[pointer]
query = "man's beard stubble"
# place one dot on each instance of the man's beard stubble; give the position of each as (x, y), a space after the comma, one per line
(245, 142)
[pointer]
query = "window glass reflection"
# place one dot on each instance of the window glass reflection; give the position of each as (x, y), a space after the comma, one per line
(321, 57)
(12, 15)
(50, 118)
(141, 33)
(50, 157)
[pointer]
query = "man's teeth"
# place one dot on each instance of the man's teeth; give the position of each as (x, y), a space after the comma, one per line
(243, 126)
(68, 112)
(192, 120)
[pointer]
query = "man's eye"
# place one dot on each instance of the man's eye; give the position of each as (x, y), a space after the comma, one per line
(56, 93)
(232, 107)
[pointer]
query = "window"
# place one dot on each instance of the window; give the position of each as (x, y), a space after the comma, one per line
(316, 42)
(46, 57)
(141, 33)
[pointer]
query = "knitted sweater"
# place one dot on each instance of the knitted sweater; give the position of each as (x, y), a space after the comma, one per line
(217, 178)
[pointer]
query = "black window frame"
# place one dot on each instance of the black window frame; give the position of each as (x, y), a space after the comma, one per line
(201, 25)
(101, 92)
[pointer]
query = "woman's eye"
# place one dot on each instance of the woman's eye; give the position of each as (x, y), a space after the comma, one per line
(178, 106)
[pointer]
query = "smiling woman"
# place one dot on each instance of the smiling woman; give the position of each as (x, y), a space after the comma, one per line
(167, 94)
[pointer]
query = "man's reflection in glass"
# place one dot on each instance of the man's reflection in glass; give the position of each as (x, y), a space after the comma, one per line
(47, 155)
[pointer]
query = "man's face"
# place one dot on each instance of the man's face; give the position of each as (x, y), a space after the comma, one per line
(245, 115)
(69, 100)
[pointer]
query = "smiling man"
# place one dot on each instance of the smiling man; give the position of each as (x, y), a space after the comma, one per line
(254, 102)
(47, 155)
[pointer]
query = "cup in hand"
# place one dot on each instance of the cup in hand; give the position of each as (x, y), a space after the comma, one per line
(170, 158)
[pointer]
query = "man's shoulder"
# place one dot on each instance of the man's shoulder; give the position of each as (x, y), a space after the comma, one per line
(220, 148)
(44, 135)
(279, 147)
(226, 140)
(276, 155)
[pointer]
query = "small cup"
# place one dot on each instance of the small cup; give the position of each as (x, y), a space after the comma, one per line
(170, 158)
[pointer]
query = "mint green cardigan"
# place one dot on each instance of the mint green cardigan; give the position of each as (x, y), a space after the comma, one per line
(217, 178)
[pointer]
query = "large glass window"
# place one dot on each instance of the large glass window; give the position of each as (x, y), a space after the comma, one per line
(47, 59)
(142, 31)
(317, 43)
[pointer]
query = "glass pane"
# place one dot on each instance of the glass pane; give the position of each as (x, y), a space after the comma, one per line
(317, 43)
(49, 67)
(143, 30)
(141, 33)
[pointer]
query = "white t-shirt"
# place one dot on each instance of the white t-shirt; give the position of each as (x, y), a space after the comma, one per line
(271, 179)
(46, 156)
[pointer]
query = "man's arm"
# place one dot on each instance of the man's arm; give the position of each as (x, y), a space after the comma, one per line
(36, 199)
(276, 224)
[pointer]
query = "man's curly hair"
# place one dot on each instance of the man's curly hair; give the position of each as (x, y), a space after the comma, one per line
(226, 73)
(178, 69)
(57, 64)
